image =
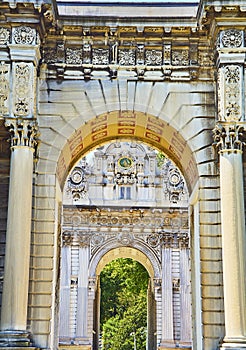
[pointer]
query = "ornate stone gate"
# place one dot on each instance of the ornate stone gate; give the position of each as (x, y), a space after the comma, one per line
(75, 75)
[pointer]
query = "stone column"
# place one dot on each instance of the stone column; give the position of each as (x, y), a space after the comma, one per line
(185, 292)
(17, 255)
(228, 135)
(167, 292)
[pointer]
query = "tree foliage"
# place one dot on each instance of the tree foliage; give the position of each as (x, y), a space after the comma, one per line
(124, 285)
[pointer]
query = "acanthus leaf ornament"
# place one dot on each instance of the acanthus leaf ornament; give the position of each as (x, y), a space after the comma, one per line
(229, 137)
(24, 132)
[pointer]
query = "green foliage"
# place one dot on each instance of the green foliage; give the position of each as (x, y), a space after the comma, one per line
(124, 285)
(161, 158)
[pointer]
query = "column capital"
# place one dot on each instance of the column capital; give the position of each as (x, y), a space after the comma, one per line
(229, 137)
(24, 132)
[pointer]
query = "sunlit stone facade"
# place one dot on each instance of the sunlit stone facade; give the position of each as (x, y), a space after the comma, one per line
(77, 77)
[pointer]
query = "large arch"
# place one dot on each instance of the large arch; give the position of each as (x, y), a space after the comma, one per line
(129, 124)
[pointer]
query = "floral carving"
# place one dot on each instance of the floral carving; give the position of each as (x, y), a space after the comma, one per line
(24, 35)
(100, 56)
(50, 55)
(23, 86)
(4, 36)
(232, 38)
(180, 58)
(74, 56)
(153, 58)
(4, 87)
(126, 57)
(229, 93)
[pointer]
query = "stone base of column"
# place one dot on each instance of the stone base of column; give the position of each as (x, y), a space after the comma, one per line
(15, 339)
(233, 343)
(173, 345)
(74, 347)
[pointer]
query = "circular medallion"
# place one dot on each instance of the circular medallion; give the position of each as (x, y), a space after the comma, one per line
(125, 162)
(76, 176)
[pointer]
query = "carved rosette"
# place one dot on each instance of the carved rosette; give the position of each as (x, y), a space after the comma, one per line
(23, 87)
(24, 132)
(229, 137)
(4, 88)
(231, 38)
(24, 35)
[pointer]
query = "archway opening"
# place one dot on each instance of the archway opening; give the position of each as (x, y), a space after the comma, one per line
(125, 199)
(123, 307)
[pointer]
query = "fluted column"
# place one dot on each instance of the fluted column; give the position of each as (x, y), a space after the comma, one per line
(228, 135)
(17, 255)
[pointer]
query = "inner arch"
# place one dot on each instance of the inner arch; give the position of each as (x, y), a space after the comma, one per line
(125, 252)
(129, 125)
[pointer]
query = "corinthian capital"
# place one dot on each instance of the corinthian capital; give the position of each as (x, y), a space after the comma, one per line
(229, 136)
(24, 132)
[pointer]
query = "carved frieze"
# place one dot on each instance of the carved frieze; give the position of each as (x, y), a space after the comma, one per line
(23, 87)
(4, 36)
(229, 136)
(24, 132)
(231, 38)
(175, 239)
(4, 88)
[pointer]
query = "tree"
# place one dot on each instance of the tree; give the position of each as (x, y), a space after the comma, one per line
(124, 285)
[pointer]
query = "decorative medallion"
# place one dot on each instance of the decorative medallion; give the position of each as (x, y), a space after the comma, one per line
(232, 38)
(125, 162)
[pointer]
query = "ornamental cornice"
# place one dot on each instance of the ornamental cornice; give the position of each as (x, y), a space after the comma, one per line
(229, 137)
(130, 51)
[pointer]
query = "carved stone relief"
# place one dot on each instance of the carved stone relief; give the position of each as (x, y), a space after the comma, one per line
(230, 93)
(24, 35)
(231, 38)
(4, 36)
(23, 86)
(4, 88)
